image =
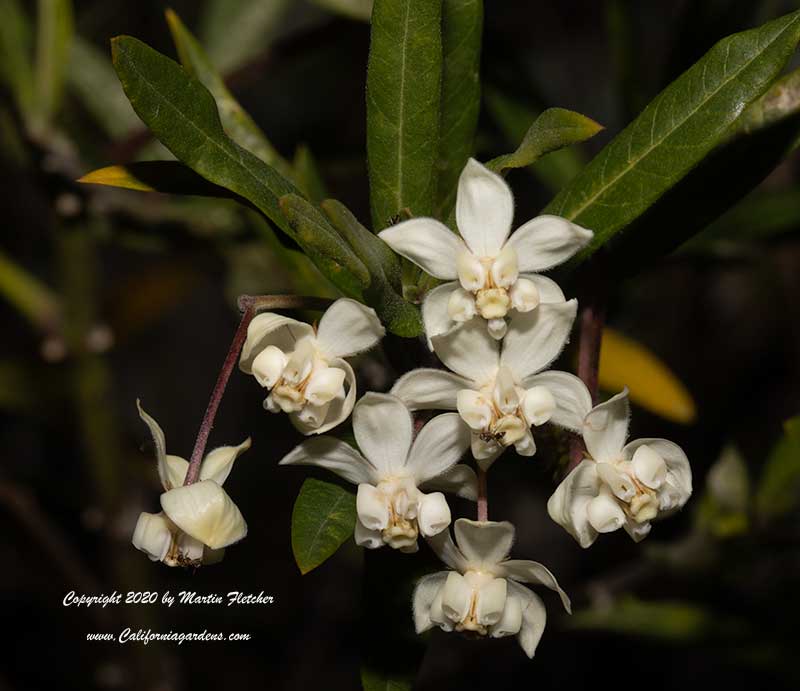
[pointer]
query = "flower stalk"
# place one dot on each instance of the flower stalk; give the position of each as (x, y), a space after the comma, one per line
(483, 500)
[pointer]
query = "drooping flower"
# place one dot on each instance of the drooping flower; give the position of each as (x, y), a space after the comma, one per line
(619, 485)
(483, 593)
(304, 367)
(197, 521)
(489, 273)
(495, 386)
(394, 470)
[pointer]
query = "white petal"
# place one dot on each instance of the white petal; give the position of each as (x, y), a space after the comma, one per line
(383, 429)
(427, 388)
(546, 241)
(505, 393)
(310, 417)
(572, 398)
(176, 468)
(606, 427)
(438, 447)
(526, 446)
(604, 513)
(217, 464)
(428, 243)
(300, 362)
(567, 505)
(497, 328)
(436, 614)
(153, 535)
(425, 592)
(434, 514)
(484, 209)
(484, 544)
(637, 531)
(364, 537)
(271, 329)
(534, 618)
(619, 483)
(338, 409)
(505, 268)
(459, 480)
(347, 328)
(524, 295)
(372, 507)
(474, 409)
(485, 453)
(511, 621)
(491, 602)
(538, 405)
(549, 290)
(206, 512)
(469, 351)
(533, 572)
(471, 272)
(160, 443)
(435, 316)
(325, 383)
(268, 366)
(536, 338)
(444, 547)
(679, 472)
(334, 455)
(456, 597)
(649, 468)
(460, 308)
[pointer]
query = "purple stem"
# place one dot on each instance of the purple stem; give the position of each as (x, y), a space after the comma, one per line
(483, 501)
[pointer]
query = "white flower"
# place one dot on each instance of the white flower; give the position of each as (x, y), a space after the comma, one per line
(199, 520)
(490, 273)
(390, 475)
(303, 367)
(483, 594)
(620, 485)
(495, 386)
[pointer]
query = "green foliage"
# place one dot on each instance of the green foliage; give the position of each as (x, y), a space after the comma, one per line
(307, 175)
(403, 107)
(324, 516)
(384, 292)
(16, 67)
(372, 680)
(779, 488)
(54, 36)
(676, 131)
(552, 130)
(462, 25)
(723, 509)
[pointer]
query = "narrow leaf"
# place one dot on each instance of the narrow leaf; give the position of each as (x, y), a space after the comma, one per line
(462, 25)
(54, 35)
(676, 131)
(403, 104)
(552, 130)
(324, 516)
(16, 68)
(307, 175)
(32, 298)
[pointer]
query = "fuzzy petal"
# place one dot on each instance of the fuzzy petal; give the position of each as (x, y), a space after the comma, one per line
(428, 388)
(606, 427)
(271, 329)
(428, 243)
(435, 313)
(333, 455)
(469, 351)
(383, 429)
(217, 464)
(160, 443)
(425, 592)
(534, 617)
(484, 209)
(484, 544)
(549, 290)
(444, 547)
(567, 506)
(438, 447)
(459, 480)
(573, 400)
(347, 328)
(527, 571)
(546, 241)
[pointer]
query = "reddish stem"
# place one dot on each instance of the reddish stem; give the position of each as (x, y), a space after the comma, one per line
(483, 501)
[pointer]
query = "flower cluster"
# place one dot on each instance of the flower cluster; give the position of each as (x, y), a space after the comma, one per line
(495, 326)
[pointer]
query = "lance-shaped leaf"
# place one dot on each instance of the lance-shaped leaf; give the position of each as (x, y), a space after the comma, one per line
(462, 24)
(403, 97)
(16, 67)
(324, 247)
(766, 132)
(54, 35)
(324, 516)
(552, 130)
(182, 113)
(679, 128)
(384, 291)
(236, 121)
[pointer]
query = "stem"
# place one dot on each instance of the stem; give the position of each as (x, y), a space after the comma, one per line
(483, 501)
(250, 305)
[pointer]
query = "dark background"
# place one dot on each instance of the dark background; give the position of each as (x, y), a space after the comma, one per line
(150, 281)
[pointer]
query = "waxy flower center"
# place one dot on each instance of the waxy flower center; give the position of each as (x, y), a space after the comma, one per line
(402, 500)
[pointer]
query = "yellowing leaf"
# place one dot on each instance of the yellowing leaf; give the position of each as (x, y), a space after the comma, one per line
(624, 362)
(116, 176)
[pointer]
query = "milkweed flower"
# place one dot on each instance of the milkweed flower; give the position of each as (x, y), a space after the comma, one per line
(498, 388)
(197, 521)
(489, 274)
(483, 592)
(394, 470)
(304, 367)
(619, 485)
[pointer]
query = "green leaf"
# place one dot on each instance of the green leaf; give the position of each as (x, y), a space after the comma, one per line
(32, 298)
(324, 247)
(384, 291)
(779, 488)
(182, 113)
(307, 176)
(403, 96)
(236, 122)
(16, 67)
(462, 24)
(373, 680)
(324, 516)
(355, 9)
(54, 35)
(676, 131)
(552, 130)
